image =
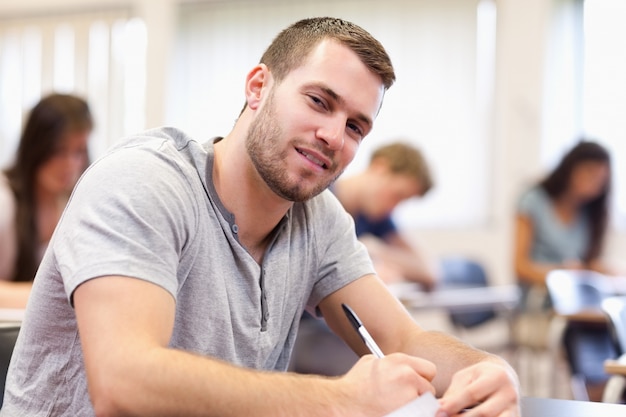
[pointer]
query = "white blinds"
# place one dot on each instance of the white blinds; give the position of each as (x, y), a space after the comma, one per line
(99, 56)
(585, 92)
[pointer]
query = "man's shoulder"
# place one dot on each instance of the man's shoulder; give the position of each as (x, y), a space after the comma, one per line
(155, 138)
(155, 149)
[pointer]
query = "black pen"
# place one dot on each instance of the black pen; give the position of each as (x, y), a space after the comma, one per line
(362, 331)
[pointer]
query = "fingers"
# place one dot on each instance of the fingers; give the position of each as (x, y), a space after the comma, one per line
(380, 386)
(421, 366)
(490, 389)
(419, 372)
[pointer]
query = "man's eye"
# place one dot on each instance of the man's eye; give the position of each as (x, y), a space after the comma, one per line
(318, 101)
(356, 129)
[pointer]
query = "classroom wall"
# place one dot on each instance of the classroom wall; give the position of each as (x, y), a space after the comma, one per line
(522, 37)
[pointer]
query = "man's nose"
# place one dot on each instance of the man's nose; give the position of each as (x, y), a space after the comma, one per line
(333, 133)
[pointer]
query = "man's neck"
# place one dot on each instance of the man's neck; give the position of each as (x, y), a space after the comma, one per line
(257, 209)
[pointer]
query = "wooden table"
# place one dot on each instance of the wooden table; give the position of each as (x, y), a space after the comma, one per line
(616, 367)
(11, 315)
(616, 385)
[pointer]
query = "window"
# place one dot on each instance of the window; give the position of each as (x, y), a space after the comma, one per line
(604, 88)
(442, 100)
(99, 56)
(586, 86)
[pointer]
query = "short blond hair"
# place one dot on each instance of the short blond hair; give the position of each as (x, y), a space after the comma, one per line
(405, 159)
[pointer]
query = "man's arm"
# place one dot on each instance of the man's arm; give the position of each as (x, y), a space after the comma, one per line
(465, 376)
(125, 325)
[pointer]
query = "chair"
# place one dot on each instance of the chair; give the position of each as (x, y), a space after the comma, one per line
(458, 272)
(615, 310)
(580, 326)
(8, 336)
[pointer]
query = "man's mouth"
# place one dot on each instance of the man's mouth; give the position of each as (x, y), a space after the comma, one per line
(312, 158)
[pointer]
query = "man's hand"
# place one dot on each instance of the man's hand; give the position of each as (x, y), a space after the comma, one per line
(491, 389)
(375, 387)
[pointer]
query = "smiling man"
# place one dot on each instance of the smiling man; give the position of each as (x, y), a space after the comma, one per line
(175, 281)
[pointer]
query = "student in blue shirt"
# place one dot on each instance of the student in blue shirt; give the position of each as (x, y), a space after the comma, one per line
(396, 173)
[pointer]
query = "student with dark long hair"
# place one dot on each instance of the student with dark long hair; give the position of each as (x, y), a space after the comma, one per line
(51, 155)
(561, 224)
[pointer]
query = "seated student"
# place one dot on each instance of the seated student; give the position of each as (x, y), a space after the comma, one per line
(175, 280)
(561, 224)
(397, 172)
(51, 155)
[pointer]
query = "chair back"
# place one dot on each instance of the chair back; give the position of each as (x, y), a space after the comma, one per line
(615, 310)
(8, 336)
(459, 272)
(572, 291)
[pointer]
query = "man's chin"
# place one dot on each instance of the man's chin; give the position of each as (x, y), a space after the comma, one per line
(298, 194)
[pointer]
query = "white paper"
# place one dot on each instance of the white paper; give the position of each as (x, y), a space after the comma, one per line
(425, 405)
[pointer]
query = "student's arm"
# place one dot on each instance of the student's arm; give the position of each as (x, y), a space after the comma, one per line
(412, 264)
(526, 269)
(125, 325)
(14, 294)
(465, 376)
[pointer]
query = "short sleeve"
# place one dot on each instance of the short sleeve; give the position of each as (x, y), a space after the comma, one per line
(531, 202)
(342, 258)
(131, 215)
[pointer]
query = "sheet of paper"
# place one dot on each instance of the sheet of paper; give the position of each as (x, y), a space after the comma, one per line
(426, 405)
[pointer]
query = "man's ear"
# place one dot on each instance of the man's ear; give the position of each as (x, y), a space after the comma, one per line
(257, 82)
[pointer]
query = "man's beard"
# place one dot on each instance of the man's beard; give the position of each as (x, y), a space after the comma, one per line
(263, 146)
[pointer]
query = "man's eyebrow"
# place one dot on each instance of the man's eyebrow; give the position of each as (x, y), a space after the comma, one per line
(336, 97)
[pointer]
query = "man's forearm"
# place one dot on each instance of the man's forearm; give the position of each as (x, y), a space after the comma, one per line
(449, 353)
(167, 382)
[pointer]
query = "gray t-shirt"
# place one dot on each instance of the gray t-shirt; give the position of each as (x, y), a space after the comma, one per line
(553, 241)
(149, 210)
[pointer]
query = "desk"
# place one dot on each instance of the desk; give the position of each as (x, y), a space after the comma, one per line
(616, 367)
(546, 407)
(577, 296)
(457, 299)
(11, 315)
(616, 384)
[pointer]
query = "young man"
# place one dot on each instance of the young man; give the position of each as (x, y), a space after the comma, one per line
(396, 172)
(175, 281)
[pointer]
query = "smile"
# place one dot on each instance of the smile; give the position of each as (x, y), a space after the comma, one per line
(312, 158)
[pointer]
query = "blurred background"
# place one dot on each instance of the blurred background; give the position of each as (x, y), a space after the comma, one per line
(492, 91)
